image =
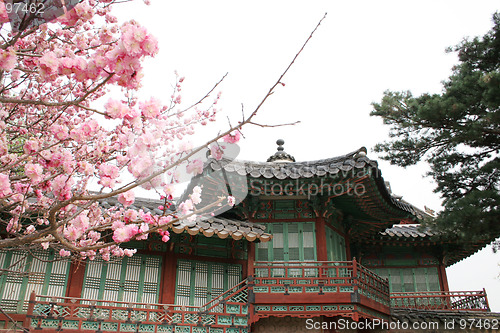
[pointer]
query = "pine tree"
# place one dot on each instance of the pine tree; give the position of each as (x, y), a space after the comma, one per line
(458, 133)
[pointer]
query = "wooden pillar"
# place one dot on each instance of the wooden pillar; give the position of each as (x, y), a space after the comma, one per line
(248, 270)
(168, 277)
(348, 253)
(75, 279)
(29, 314)
(321, 252)
(443, 279)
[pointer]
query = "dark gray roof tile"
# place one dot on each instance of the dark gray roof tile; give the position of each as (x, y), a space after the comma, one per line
(202, 223)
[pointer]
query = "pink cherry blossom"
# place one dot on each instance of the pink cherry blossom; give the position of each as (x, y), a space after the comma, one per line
(130, 215)
(195, 167)
(62, 134)
(124, 234)
(140, 166)
(30, 229)
(231, 200)
(164, 220)
(94, 236)
(196, 195)
(232, 137)
(49, 62)
(186, 207)
(129, 252)
(4, 17)
(143, 229)
(8, 59)
(109, 170)
(4, 185)
(62, 187)
(34, 172)
(13, 226)
(116, 109)
(72, 233)
(81, 222)
(31, 146)
(117, 225)
(64, 253)
(216, 151)
(127, 198)
(150, 109)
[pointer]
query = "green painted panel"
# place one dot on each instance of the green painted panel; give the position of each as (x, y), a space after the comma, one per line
(401, 262)
(284, 204)
(30, 272)
(335, 245)
(209, 246)
(198, 282)
(134, 279)
(292, 241)
(285, 215)
(411, 279)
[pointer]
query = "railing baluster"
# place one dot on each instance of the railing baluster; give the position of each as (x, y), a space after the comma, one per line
(441, 300)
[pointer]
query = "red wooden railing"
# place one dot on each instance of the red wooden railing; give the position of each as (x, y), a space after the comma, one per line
(441, 300)
(314, 288)
(304, 289)
(320, 277)
(227, 313)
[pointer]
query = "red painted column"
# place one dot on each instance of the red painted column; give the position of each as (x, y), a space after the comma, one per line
(168, 277)
(443, 279)
(321, 252)
(29, 314)
(75, 279)
(248, 270)
(347, 247)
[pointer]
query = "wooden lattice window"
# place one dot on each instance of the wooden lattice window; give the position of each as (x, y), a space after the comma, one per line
(134, 279)
(292, 241)
(38, 271)
(335, 246)
(198, 282)
(411, 279)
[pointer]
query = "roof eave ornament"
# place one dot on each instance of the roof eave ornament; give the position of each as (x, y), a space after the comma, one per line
(281, 156)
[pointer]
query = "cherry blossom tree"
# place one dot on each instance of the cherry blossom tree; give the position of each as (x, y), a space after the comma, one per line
(62, 131)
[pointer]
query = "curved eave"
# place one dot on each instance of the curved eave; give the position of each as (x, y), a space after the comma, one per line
(223, 228)
(332, 167)
(413, 235)
(294, 170)
(208, 226)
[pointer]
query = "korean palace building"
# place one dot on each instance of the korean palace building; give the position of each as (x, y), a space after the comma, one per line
(307, 247)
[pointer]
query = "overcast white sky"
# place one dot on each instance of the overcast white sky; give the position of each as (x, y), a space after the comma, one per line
(360, 50)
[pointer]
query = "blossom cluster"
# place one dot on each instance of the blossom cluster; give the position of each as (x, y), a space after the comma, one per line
(55, 143)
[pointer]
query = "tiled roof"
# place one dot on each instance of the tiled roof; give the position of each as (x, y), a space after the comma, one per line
(208, 226)
(147, 205)
(415, 234)
(223, 228)
(283, 170)
(442, 316)
(407, 231)
(351, 162)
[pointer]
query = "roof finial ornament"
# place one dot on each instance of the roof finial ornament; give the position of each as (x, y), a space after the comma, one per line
(281, 155)
(280, 143)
